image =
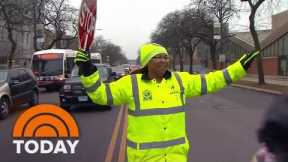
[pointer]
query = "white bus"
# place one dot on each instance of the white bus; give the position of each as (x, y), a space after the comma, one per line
(51, 67)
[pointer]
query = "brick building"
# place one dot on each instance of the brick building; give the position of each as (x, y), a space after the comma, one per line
(274, 44)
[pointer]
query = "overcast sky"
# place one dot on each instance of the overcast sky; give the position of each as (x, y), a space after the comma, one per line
(129, 23)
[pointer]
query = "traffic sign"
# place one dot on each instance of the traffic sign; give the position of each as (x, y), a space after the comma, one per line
(87, 23)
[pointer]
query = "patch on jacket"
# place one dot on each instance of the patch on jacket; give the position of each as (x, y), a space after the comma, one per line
(147, 95)
(173, 90)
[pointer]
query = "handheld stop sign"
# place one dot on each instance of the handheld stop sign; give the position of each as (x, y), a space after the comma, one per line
(87, 23)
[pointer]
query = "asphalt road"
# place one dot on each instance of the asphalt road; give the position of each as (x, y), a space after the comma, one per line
(221, 128)
(95, 134)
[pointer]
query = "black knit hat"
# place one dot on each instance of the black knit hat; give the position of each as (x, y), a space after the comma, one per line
(274, 129)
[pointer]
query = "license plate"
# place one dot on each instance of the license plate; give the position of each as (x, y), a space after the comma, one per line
(82, 98)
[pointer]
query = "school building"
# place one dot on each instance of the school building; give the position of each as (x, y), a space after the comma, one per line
(274, 47)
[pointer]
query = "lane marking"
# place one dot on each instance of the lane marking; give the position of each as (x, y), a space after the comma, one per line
(122, 150)
(111, 147)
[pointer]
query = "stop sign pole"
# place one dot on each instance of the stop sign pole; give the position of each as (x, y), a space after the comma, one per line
(87, 23)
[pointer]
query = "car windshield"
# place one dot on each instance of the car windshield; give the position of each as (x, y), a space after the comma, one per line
(3, 74)
(102, 70)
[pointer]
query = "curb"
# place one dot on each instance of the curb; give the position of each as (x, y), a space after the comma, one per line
(258, 89)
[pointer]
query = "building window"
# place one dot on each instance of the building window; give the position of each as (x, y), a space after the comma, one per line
(273, 49)
(281, 46)
(28, 41)
(264, 52)
(270, 51)
(278, 47)
(1, 33)
(285, 44)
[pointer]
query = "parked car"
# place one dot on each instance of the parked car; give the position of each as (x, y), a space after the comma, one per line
(17, 86)
(73, 94)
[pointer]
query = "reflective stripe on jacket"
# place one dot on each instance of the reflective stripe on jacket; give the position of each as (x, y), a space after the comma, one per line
(156, 118)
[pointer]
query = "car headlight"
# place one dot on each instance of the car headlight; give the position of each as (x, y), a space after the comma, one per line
(60, 77)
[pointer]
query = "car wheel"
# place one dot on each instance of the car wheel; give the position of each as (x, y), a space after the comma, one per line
(4, 108)
(67, 108)
(35, 99)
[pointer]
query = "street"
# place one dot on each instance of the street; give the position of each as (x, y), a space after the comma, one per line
(221, 128)
(52, 52)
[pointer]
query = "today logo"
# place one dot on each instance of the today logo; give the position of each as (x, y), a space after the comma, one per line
(45, 129)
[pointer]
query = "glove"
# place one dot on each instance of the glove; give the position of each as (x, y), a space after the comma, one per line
(84, 63)
(81, 57)
(247, 59)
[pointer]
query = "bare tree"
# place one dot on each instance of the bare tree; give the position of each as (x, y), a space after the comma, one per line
(57, 17)
(11, 14)
(37, 7)
(220, 11)
(190, 27)
(166, 34)
(205, 23)
(110, 52)
(178, 31)
(254, 6)
(260, 7)
(60, 19)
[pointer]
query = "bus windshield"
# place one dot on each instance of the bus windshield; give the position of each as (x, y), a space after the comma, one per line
(50, 64)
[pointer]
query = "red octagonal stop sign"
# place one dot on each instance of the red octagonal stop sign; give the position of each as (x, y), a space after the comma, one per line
(87, 22)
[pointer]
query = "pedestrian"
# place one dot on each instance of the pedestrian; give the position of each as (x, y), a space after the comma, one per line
(273, 133)
(156, 98)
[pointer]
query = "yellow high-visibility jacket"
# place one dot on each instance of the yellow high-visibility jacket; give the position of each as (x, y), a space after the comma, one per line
(156, 117)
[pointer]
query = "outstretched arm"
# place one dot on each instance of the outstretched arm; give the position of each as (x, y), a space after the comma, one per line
(202, 84)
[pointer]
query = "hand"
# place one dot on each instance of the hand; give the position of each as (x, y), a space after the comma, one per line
(81, 57)
(247, 59)
(83, 61)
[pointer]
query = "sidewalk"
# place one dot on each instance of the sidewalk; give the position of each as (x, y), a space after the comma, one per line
(276, 85)
(278, 80)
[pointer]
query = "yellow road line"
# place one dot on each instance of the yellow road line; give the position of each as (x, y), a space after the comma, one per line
(122, 150)
(111, 147)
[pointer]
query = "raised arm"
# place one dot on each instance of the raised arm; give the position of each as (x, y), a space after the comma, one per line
(99, 92)
(202, 84)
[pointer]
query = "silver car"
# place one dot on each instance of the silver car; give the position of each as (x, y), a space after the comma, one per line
(17, 86)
